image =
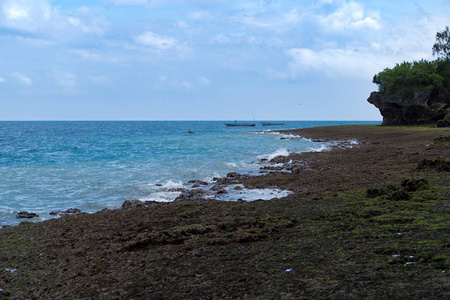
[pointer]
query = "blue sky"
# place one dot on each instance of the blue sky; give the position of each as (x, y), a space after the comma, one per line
(205, 59)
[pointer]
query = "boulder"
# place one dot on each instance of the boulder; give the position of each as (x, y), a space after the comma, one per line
(131, 204)
(68, 212)
(26, 215)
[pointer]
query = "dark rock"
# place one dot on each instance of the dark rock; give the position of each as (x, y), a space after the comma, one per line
(442, 139)
(412, 185)
(436, 164)
(233, 175)
(181, 190)
(131, 204)
(199, 193)
(216, 188)
(400, 195)
(151, 203)
(381, 191)
(238, 188)
(26, 215)
(193, 194)
(221, 192)
(198, 182)
(68, 212)
(421, 108)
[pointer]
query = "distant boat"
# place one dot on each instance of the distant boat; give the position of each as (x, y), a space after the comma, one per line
(236, 124)
(271, 124)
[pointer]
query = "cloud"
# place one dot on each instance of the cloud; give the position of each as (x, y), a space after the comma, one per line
(22, 78)
(269, 20)
(41, 19)
(155, 40)
(97, 26)
(2, 80)
(101, 80)
(351, 15)
(129, 2)
(66, 80)
(180, 84)
(199, 15)
(25, 14)
(203, 80)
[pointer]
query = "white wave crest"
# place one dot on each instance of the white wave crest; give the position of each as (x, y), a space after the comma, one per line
(270, 156)
(321, 148)
(162, 196)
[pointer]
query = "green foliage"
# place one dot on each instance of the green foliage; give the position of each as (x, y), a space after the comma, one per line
(442, 46)
(405, 78)
(409, 77)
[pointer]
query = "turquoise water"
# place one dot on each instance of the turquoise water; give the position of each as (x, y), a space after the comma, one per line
(47, 166)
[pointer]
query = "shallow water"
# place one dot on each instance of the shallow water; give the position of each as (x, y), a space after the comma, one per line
(47, 166)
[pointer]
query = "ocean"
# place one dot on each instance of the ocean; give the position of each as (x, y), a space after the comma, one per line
(47, 166)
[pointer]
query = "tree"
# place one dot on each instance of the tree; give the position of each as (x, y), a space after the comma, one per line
(442, 46)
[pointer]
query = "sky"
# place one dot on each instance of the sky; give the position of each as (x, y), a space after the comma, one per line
(206, 59)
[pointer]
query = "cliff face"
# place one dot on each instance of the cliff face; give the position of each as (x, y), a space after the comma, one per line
(423, 107)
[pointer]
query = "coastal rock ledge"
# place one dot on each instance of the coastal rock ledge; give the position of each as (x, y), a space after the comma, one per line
(424, 108)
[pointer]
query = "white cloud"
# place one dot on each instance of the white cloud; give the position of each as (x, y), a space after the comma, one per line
(199, 15)
(359, 63)
(42, 19)
(351, 15)
(22, 78)
(129, 2)
(180, 84)
(2, 80)
(66, 80)
(270, 21)
(97, 26)
(155, 40)
(203, 80)
(26, 14)
(102, 80)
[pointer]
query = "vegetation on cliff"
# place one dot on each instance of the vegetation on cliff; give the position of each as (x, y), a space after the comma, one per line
(418, 92)
(407, 77)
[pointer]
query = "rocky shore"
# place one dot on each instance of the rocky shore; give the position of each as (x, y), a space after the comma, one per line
(367, 219)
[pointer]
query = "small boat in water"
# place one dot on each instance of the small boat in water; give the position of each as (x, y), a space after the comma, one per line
(236, 124)
(271, 124)
(239, 124)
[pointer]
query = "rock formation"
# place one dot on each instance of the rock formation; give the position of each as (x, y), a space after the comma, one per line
(423, 108)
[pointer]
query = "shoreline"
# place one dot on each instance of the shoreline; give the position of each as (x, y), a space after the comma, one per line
(326, 240)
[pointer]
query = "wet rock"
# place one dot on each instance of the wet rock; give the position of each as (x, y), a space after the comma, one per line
(131, 204)
(68, 212)
(181, 190)
(199, 193)
(26, 215)
(238, 188)
(222, 192)
(193, 194)
(151, 203)
(198, 182)
(216, 188)
(233, 175)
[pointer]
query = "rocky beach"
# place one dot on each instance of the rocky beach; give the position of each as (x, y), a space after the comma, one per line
(367, 218)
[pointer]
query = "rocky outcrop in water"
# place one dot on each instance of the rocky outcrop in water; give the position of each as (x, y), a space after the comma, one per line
(423, 108)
